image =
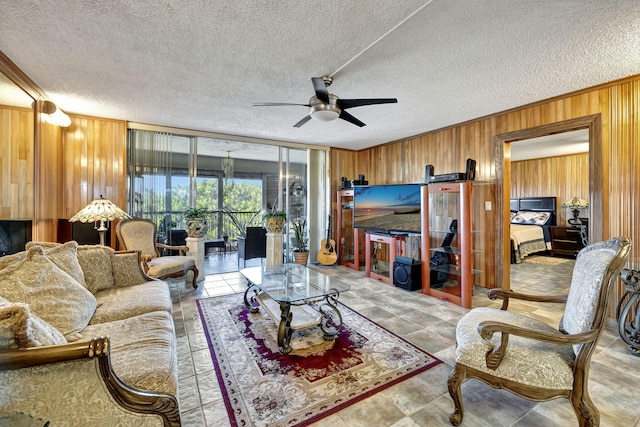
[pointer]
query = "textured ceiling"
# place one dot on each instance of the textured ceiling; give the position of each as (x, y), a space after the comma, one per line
(201, 64)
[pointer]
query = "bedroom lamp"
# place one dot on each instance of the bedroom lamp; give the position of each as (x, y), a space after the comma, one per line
(100, 210)
(575, 204)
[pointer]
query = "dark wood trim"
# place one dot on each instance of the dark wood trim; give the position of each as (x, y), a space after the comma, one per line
(502, 152)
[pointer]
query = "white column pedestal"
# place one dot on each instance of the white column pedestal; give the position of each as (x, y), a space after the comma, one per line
(274, 248)
(196, 251)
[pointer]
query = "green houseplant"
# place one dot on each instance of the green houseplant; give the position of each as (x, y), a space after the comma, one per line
(275, 220)
(300, 240)
(197, 223)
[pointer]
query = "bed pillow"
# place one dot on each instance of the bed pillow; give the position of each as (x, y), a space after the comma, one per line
(531, 218)
(513, 214)
(19, 328)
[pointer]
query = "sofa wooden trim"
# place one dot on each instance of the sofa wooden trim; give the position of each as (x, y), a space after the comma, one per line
(132, 399)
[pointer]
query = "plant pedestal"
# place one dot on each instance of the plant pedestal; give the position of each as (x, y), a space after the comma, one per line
(197, 252)
(274, 248)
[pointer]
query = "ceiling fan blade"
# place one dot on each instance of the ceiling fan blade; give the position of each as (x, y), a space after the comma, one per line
(304, 120)
(350, 103)
(276, 104)
(322, 93)
(348, 117)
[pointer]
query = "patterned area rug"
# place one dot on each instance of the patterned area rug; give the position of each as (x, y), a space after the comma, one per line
(544, 260)
(262, 387)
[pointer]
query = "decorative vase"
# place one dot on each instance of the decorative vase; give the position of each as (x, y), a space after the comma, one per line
(197, 227)
(275, 224)
(301, 257)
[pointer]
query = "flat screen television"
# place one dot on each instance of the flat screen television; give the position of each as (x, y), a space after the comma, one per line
(391, 208)
(14, 235)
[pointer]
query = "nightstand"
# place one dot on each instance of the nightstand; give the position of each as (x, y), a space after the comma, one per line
(565, 241)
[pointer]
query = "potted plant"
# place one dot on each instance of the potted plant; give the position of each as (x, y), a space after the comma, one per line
(197, 224)
(300, 240)
(275, 220)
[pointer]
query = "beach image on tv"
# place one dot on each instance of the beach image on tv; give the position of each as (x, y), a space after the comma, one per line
(388, 207)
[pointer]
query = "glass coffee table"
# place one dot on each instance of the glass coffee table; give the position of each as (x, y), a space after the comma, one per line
(288, 293)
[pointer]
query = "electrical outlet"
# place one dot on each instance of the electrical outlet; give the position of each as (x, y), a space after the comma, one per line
(487, 205)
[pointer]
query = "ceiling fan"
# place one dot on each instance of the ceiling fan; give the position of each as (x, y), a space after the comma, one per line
(325, 106)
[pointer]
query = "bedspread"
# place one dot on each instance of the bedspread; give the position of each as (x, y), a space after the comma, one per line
(526, 240)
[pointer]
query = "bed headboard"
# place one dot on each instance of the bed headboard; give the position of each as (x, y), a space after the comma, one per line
(535, 204)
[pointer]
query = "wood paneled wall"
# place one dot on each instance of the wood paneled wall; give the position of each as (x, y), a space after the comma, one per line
(561, 177)
(16, 163)
(94, 157)
(617, 104)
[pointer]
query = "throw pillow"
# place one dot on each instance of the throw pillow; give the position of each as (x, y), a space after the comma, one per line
(52, 294)
(65, 256)
(95, 261)
(7, 260)
(531, 218)
(126, 269)
(19, 328)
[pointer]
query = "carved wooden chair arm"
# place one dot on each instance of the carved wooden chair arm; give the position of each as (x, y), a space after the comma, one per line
(494, 356)
(182, 249)
(132, 399)
(29, 357)
(496, 293)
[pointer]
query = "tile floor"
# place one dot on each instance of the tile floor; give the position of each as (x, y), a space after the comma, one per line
(430, 323)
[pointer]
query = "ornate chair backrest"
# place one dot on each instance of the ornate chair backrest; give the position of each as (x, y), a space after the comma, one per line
(138, 234)
(597, 267)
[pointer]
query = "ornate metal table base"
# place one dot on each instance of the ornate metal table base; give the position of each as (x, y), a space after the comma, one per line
(329, 319)
(629, 328)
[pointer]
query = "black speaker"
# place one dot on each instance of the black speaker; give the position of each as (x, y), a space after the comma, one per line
(407, 273)
(471, 169)
(428, 173)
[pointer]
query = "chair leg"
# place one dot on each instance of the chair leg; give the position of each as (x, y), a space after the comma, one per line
(587, 413)
(456, 378)
(195, 277)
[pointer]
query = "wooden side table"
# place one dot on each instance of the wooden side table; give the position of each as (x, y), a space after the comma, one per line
(629, 325)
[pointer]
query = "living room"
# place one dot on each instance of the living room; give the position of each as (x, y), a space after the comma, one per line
(66, 168)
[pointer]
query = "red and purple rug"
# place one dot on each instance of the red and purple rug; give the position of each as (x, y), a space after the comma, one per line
(262, 387)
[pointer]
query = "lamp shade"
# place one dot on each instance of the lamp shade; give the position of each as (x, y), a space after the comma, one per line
(575, 203)
(100, 210)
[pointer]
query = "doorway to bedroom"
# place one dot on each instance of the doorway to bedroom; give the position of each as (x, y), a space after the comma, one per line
(559, 175)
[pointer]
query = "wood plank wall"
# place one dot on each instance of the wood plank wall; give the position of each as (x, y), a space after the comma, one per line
(563, 177)
(618, 104)
(16, 162)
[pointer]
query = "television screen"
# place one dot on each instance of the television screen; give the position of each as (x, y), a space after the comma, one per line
(388, 208)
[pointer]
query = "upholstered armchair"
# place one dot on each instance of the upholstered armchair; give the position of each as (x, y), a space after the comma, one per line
(140, 234)
(530, 358)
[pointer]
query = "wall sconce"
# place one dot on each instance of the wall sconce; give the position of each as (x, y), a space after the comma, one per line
(54, 115)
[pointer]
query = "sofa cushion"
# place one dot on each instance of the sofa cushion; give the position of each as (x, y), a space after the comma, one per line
(21, 329)
(119, 303)
(143, 350)
(126, 269)
(95, 261)
(65, 256)
(52, 294)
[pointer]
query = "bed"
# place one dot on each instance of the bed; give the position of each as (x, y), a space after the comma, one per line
(531, 218)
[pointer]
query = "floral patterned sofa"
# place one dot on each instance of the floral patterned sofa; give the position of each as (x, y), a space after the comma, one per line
(86, 338)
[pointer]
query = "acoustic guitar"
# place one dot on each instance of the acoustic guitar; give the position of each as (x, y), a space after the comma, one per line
(327, 254)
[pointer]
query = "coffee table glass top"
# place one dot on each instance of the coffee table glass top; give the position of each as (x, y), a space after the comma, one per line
(293, 282)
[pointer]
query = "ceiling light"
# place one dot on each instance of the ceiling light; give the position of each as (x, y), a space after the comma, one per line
(54, 115)
(325, 112)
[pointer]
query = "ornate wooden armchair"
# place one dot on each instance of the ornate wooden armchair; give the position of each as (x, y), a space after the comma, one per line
(530, 358)
(140, 234)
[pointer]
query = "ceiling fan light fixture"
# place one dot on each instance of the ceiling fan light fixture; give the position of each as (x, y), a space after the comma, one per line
(324, 112)
(325, 115)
